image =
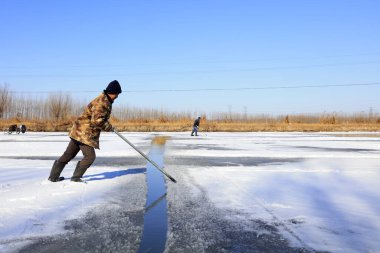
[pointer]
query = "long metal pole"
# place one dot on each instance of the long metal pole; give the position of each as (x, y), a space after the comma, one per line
(145, 156)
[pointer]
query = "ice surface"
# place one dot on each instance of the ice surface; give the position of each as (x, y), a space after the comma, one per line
(236, 192)
(319, 191)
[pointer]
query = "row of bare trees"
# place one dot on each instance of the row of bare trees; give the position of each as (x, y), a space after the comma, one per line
(4, 100)
(61, 106)
(124, 113)
(57, 106)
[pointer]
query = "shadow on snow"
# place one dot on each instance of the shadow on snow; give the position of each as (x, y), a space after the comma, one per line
(113, 174)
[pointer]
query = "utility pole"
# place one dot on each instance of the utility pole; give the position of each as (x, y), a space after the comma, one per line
(370, 113)
(230, 112)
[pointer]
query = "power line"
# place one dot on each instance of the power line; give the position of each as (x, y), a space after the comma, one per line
(129, 64)
(258, 88)
(184, 72)
(225, 89)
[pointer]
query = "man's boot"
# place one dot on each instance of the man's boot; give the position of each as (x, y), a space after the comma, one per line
(78, 173)
(56, 171)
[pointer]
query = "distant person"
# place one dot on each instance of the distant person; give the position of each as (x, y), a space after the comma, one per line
(22, 129)
(196, 126)
(12, 128)
(85, 133)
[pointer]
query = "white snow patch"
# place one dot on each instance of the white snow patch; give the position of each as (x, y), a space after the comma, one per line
(32, 206)
(328, 197)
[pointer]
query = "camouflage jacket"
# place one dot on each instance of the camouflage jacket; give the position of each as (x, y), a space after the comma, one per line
(87, 126)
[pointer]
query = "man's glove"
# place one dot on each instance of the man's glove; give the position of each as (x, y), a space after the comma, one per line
(109, 128)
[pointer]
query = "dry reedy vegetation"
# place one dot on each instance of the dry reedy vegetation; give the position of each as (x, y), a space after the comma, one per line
(160, 140)
(183, 125)
(57, 111)
(38, 125)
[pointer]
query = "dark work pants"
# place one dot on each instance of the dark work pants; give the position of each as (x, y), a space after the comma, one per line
(73, 149)
(195, 130)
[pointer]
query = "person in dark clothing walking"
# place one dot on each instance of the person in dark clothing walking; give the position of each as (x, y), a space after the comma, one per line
(85, 133)
(196, 126)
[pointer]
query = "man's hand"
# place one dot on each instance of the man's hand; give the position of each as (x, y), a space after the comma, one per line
(109, 128)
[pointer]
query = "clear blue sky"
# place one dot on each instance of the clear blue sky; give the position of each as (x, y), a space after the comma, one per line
(80, 46)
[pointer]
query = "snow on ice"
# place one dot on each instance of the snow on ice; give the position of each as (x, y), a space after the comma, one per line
(319, 190)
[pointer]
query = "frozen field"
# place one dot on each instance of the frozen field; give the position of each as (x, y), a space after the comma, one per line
(236, 192)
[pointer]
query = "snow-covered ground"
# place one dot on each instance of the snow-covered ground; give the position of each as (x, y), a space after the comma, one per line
(32, 207)
(236, 192)
(320, 190)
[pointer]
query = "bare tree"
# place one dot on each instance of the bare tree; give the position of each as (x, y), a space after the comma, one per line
(5, 100)
(60, 105)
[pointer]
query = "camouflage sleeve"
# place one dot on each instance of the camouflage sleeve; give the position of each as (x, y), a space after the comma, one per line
(99, 118)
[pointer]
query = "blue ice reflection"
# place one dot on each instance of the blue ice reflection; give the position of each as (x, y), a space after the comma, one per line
(155, 218)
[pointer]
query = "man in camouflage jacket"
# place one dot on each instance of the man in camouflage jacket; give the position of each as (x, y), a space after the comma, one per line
(85, 133)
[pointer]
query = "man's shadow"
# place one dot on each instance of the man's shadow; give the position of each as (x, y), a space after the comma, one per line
(114, 174)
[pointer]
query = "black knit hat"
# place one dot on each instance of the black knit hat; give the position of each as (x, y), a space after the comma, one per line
(113, 87)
